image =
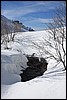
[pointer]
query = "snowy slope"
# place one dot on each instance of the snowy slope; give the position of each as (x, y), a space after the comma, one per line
(51, 85)
(36, 89)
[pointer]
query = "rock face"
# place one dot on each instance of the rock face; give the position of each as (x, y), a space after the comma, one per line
(9, 26)
(36, 68)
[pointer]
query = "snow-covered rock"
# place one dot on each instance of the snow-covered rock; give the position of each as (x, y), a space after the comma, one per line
(11, 62)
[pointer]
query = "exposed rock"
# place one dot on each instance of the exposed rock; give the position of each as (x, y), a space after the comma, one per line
(9, 26)
(36, 68)
(30, 73)
(32, 61)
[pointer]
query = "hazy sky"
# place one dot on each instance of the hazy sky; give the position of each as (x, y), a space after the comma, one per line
(35, 14)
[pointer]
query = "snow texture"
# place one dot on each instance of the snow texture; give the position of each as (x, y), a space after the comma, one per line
(51, 85)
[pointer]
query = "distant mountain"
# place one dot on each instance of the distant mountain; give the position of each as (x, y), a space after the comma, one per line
(8, 26)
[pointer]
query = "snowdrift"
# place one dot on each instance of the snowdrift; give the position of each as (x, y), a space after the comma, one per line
(51, 85)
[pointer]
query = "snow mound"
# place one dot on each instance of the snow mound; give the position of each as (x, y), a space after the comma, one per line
(11, 62)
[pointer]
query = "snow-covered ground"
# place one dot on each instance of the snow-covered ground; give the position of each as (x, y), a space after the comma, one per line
(51, 85)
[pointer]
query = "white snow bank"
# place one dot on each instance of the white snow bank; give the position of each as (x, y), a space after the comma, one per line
(42, 89)
(11, 62)
(23, 41)
(8, 78)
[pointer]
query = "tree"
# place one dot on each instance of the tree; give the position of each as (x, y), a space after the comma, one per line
(7, 32)
(57, 30)
(54, 45)
(4, 33)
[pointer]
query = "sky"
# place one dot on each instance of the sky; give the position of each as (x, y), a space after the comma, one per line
(34, 14)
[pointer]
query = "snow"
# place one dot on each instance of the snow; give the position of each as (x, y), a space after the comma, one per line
(37, 90)
(23, 41)
(11, 62)
(51, 85)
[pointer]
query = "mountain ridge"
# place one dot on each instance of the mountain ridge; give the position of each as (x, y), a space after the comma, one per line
(8, 26)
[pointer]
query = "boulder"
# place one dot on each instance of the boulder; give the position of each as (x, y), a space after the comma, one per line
(36, 68)
(30, 73)
(32, 61)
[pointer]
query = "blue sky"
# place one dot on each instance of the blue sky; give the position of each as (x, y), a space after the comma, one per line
(35, 14)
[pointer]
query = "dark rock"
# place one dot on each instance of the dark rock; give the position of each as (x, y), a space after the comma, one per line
(30, 73)
(32, 61)
(36, 68)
